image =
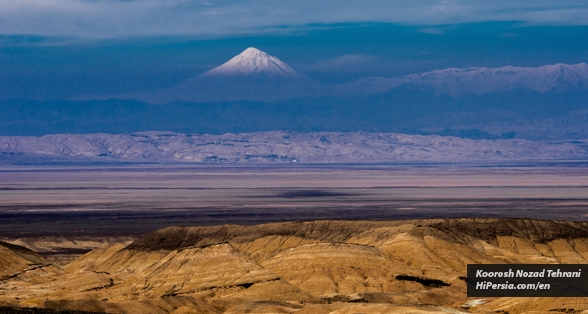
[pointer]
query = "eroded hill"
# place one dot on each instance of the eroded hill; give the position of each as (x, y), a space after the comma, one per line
(413, 266)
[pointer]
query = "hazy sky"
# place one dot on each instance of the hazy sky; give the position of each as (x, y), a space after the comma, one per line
(62, 48)
(121, 18)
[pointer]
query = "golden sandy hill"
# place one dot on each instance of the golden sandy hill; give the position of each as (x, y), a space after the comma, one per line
(412, 266)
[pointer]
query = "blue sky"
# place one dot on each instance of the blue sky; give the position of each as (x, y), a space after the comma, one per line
(54, 49)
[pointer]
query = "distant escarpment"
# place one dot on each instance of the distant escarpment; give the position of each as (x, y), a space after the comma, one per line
(415, 266)
(487, 229)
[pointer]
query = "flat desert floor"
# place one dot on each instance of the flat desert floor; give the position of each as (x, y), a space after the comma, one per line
(134, 200)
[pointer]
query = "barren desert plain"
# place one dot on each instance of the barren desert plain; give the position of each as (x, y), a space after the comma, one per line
(283, 239)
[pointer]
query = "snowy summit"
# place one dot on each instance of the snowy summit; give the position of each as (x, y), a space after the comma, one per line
(254, 62)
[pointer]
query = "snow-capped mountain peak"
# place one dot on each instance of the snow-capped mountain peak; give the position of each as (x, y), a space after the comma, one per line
(254, 62)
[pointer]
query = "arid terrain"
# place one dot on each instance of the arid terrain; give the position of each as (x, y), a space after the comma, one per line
(356, 239)
(410, 266)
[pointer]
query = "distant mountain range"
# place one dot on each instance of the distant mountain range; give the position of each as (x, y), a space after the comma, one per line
(254, 75)
(257, 92)
(282, 147)
(480, 81)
